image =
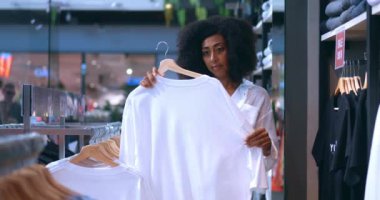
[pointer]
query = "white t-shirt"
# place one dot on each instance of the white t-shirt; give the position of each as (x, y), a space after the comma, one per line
(372, 183)
(187, 138)
(255, 104)
(101, 183)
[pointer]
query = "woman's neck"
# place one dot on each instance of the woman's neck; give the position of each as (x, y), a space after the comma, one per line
(229, 86)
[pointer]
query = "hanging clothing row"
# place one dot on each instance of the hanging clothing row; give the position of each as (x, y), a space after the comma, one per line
(97, 173)
(342, 145)
(21, 178)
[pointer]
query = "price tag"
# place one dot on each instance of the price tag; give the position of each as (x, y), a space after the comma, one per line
(339, 49)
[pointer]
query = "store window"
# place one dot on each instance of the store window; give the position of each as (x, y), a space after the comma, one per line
(107, 80)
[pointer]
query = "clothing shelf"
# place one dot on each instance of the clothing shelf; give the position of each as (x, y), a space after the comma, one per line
(355, 29)
(259, 70)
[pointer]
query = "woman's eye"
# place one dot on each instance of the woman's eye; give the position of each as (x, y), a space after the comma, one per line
(205, 53)
(220, 49)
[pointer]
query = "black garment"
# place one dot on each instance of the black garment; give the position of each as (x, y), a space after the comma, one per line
(329, 150)
(51, 153)
(358, 160)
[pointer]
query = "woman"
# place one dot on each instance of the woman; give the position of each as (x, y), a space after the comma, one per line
(224, 48)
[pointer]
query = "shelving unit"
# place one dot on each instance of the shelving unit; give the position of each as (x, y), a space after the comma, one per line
(355, 29)
(362, 37)
(269, 28)
(259, 70)
(376, 9)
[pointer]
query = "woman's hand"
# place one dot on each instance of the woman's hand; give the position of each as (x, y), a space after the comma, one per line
(150, 78)
(260, 138)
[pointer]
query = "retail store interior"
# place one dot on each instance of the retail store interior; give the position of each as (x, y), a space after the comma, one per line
(76, 116)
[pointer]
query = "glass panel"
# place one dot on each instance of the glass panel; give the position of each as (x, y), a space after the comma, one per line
(23, 56)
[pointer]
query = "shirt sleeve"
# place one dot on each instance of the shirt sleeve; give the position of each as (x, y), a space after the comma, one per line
(266, 121)
(127, 139)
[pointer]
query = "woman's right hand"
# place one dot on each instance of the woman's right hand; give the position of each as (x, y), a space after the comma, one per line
(150, 78)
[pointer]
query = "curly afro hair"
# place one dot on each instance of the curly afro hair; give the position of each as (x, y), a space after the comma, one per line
(239, 40)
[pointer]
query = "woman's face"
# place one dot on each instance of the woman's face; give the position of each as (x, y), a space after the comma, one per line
(214, 53)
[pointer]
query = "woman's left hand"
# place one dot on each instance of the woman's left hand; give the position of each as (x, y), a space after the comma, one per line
(260, 138)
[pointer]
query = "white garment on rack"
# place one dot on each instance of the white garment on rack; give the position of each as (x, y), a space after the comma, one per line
(187, 138)
(372, 191)
(102, 183)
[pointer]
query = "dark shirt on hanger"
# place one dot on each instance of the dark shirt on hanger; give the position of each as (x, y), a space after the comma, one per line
(358, 158)
(329, 149)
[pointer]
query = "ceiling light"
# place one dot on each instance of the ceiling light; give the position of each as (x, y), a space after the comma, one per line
(129, 71)
(168, 6)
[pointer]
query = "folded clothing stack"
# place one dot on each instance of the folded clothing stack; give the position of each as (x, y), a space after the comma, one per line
(259, 56)
(267, 9)
(268, 53)
(341, 11)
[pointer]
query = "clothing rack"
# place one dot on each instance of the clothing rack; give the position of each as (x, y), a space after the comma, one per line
(18, 151)
(50, 103)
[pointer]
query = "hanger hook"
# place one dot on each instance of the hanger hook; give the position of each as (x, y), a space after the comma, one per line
(167, 46)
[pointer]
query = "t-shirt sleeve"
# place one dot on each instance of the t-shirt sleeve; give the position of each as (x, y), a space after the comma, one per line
(128, 139)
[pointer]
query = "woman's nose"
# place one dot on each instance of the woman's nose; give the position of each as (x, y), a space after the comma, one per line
(213, 56)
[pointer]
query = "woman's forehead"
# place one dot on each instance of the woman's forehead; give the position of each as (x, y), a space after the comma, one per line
(213, 40)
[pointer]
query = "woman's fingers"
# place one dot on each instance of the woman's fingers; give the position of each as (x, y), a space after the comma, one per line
(150, 78)
(256, 134)
(258, 138)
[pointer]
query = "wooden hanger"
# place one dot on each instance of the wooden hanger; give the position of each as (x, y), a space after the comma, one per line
(341, 87)
(117, 140)
(98, 152)
(169, 64)
(357, 79)
(30, 183)
(351, 81)
(44, 172)
(111, 148)
(365, 84)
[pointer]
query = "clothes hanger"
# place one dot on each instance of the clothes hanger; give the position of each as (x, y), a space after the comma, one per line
(351, 79)
(44, 172)
(111, 148)
(358, 82)
(117, 140)
(98, 152)
(365, 84)
(169, 64)
(340, 88)
(347, 81)
(29, 184)
(41, 184)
